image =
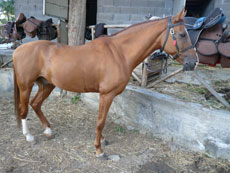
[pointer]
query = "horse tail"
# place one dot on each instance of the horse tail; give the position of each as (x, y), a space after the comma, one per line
(16, 100)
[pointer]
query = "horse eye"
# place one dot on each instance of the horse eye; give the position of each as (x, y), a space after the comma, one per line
(182, 35)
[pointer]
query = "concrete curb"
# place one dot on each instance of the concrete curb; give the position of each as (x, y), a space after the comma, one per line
(188, 124)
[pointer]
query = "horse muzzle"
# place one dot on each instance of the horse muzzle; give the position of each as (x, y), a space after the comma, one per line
(189, 64)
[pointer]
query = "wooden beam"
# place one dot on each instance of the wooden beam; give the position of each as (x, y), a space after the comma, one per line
(6, 63)
(144, 79)
(136, 77)
(211, 90)
(165, 78)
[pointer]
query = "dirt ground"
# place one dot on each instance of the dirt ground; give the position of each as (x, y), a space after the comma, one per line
(71, 148)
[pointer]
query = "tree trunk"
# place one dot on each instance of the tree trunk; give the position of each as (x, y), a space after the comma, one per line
(77, 22)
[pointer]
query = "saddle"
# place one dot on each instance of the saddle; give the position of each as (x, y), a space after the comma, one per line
(207, 36)
(31, 26)
(13, 31)
(43, 29)
(224, 48)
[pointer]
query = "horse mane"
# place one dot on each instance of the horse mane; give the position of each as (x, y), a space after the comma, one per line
(134, 25)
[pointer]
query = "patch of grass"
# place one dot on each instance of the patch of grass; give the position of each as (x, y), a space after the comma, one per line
(75, 99)
(218, 82)
(119, 129)
(197, 89)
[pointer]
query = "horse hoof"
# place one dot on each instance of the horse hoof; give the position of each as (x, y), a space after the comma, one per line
(48, 132)
(29, 138)
(102, 156)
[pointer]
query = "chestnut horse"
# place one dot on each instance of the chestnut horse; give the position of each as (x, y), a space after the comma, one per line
(104, 65)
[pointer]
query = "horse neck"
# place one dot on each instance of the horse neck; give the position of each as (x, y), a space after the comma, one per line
(138, 42)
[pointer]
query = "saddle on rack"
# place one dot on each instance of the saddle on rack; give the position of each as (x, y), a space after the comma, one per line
(31, 26)
(224, 48)
(13, 31)
(45, 30)
(206, 35)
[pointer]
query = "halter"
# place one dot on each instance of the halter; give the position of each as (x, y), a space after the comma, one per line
(171, 31)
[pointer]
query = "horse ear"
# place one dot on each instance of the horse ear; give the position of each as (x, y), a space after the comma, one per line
(180, 15)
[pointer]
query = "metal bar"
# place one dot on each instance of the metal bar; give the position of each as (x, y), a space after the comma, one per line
(113, 26)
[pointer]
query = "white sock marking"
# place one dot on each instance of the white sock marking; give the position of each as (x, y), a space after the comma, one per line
(100, 155)
(29, 137)
(25, 131)
(48, 131)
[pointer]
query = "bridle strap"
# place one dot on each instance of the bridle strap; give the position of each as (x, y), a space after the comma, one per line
(171, 31)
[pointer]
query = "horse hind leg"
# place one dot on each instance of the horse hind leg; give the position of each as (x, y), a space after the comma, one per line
(24, 100)
(43, 92)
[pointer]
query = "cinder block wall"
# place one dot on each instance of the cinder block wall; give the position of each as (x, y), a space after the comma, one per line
(131, 11)
(31, 8)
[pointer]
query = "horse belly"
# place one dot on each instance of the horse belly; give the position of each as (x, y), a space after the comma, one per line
(75, 81)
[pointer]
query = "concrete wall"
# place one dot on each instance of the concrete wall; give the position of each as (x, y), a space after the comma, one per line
(188, 124)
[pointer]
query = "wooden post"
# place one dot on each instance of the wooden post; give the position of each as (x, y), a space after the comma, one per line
(58, 32)
(77, 22)
(92, 33)
(144, 78)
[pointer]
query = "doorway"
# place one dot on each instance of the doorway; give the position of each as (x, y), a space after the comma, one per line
(197, 8)
(91, 12)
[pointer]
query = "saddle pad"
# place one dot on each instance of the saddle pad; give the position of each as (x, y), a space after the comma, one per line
(224, 49)
(206, 47)
(225, 62)
(209, 60)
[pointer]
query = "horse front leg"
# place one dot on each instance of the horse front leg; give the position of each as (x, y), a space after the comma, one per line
(104, 105)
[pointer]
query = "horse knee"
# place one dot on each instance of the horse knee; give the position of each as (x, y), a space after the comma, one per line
(23, 112)
(35, 106)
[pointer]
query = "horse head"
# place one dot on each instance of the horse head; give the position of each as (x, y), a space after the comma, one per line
(179, 43)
